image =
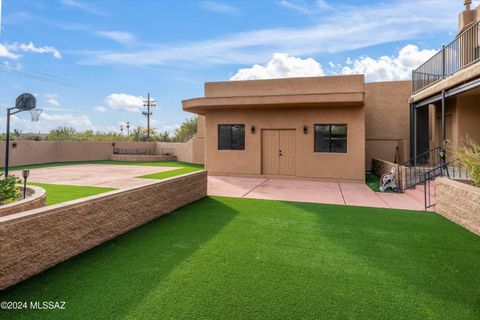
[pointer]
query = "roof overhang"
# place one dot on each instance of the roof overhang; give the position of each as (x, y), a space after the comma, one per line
(201, 105)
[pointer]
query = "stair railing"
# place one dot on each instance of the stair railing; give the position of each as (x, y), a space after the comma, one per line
(451, 170)
(416, 167)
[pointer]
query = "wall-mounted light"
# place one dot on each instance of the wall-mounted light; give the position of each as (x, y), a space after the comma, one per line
(305, 129)
(14, 145)
(252, 129)
(113, 144)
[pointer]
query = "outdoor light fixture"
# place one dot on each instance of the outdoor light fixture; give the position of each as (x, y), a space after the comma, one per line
(14, 145)
(253, 129)
(113, 144)
(305, 129)
(24, 102)
(25, 174)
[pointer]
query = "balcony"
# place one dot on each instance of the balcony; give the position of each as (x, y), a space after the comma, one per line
(457, 55)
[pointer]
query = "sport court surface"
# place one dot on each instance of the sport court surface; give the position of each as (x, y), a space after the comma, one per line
(95, 175)
(341, 193)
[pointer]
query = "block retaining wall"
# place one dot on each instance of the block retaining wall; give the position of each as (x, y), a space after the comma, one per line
(36, 198)
(458, 202)
(35, 240)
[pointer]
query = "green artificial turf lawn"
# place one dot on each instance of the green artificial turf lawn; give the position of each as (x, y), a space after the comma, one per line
(225, 258)
(58, 193)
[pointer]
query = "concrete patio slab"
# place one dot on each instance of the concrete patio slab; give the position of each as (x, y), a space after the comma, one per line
(400, 201)
(340, 193)
(357, 194)
(95, 175)
(232, 186)
(298, 190)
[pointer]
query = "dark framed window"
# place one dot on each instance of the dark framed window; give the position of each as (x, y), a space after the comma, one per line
(231, 137)
(331, 138)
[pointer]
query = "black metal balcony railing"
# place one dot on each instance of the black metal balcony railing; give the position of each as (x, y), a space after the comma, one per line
(458, 54)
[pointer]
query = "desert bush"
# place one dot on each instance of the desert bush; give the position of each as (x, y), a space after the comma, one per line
(469, 156)
(9, 191)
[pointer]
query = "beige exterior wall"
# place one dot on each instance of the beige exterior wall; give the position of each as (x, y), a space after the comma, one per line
(334, 166)
(462, 118)
(201, 126)
(36, 240)
(286, 86)
(468, 113)
(387, 121)
(32, 152)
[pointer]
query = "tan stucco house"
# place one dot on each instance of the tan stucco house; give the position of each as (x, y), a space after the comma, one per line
(317, 127)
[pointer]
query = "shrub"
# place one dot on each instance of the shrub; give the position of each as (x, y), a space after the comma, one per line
(9, 192)
(469, 156)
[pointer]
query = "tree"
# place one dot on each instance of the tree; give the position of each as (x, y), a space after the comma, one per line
(140, 134)
(62, 133)
(164, 137)
(186, 131)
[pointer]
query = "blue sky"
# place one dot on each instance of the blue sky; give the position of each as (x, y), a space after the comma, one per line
(90, 62)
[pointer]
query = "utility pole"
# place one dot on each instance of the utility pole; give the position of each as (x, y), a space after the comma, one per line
(149, 103)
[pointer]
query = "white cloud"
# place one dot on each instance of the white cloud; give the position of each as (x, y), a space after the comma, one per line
(75, 4)
(344, 28)
(52, 99)
(304, 8)
(5, 53)
(281, 66)
(30, 47)
(124, 102)
(118, 36)
(218, 7)
(100, 109)
(389, 67)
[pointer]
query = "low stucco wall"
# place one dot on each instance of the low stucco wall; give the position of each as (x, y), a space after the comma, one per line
(192, 151)
(141, 158)
(35, 240)
(458, 202)
(381, 167)
(36, 198)
(33, 152)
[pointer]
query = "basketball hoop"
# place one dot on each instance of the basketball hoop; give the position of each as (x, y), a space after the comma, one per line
(35, 114)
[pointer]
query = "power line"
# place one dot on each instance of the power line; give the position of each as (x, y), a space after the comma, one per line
(149, 103)
(40, 76)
